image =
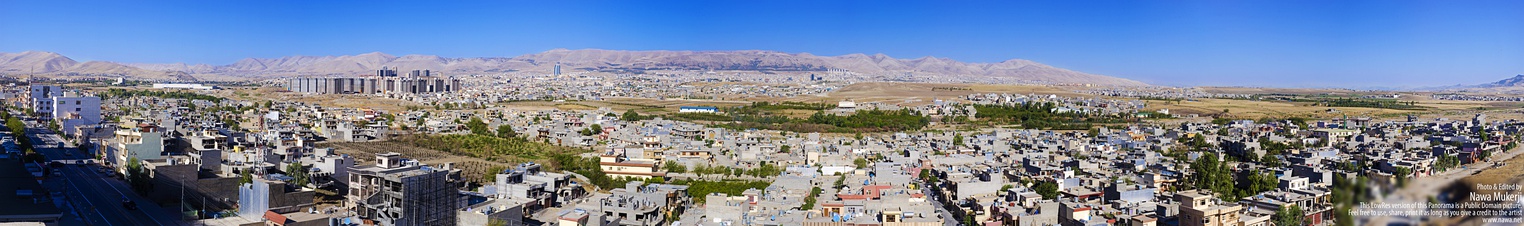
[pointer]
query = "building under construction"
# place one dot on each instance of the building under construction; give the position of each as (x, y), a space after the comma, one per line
(399, 191)
(385, 81)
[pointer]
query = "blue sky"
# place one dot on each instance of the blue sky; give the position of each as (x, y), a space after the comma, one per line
(1286, 43)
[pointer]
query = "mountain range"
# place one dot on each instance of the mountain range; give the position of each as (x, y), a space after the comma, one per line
(1515, 81)
(53, 64)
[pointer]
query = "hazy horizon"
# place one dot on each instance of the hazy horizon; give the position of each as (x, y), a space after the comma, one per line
(1198, 43)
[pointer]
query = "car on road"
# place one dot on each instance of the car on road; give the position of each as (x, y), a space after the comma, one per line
(128, 203)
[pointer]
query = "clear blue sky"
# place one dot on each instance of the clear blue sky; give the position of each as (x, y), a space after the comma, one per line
(1253, 43)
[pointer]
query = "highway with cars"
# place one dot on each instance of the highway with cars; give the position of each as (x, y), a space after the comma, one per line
(93, 191)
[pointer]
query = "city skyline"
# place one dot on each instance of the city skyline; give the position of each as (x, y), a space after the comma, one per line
(1283, 44)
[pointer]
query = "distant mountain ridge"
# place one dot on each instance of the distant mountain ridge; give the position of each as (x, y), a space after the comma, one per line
(1515, 81)
(50, 64)
(585, 59)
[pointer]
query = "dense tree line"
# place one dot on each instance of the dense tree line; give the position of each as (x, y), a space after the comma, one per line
(478, 127)
(123, 93)
(874, 120)
(698, 188)
(1445, 162)
(763, 170)
(485, 146)
(587, 167)
(1210, 174)
(1370, 103)
(18, 131)
(1039, 116)
(861, 121)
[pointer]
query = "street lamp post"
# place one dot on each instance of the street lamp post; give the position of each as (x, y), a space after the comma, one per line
(182, 196)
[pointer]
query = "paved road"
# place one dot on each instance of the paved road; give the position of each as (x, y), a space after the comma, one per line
(97, 195)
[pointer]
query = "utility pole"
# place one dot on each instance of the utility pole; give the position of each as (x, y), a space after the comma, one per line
(182, 196)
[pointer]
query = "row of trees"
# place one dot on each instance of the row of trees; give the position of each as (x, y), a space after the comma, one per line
(762, 170)
(699, 188)
(1039, 116)
(124, 93)
(1207, 173)
(1369, 103)
(874, 120)
(809, 201)
(478, 127)
(1445, 162)
(483, 146)
(18, 131)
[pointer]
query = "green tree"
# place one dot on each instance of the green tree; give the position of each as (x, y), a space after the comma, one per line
(506, 131)
(928, 177)
(1215, 176)
(1289, 216)
(1402, 174)
(1270, 161)
(298, 173)
(861, 163)
(631, 116)
(478, 127)
(245, 177)
(597, 129)
(957, 139)
(673, 167)
(783, 149)
(809, 201)
(137, 176)
(1047, 189)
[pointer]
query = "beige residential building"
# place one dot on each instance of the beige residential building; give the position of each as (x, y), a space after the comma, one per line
(619, 165)
(1198, 208)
